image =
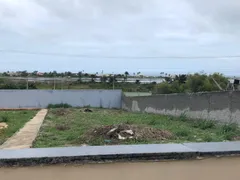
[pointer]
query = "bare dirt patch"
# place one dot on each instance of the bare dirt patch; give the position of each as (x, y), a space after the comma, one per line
(62, 127)
(123, 132)
(61, 112)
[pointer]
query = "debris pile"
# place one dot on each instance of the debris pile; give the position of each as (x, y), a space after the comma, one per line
(115, 133)
(87, 110)
(3, 126)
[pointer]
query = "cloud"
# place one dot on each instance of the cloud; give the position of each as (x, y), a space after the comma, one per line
(123, 27)
(224, 16)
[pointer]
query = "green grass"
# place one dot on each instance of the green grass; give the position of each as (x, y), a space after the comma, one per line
(69, 128)
(15, 120)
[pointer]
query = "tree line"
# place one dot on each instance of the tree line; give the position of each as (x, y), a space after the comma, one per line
(192, 83)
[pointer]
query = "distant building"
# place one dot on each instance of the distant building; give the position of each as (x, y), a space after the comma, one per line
(40, 74)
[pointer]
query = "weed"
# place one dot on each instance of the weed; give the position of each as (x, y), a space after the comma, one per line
(207, 138)
(4, 118)
(227, 128)
(62, 105)
(183, 117)
(171, 118)
(204, 124)
(182, 132)
(152, 122)
(129, 122)
(229, 131)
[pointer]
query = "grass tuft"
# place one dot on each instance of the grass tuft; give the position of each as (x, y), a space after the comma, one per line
(204, 124)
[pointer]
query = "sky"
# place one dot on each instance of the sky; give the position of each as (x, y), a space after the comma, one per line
(114, 36)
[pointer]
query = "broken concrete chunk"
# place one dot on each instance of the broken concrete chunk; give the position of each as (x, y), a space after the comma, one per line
(120, 137)
(112, 131)
(130, 132)
(3, 126)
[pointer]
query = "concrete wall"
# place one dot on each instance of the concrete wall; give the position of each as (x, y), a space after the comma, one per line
(220, 106)
(76, 98)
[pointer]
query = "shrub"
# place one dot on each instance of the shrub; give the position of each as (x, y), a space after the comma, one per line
(62, 105)
(4, 118)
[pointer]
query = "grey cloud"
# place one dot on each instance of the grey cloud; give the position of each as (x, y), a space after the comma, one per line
(224, 16)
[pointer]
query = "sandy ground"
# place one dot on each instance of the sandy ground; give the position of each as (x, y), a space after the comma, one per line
(209, 169)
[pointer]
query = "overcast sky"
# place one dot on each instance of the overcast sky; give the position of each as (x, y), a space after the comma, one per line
(99, 29)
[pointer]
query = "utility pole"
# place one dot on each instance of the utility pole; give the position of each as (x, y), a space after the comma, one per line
(27, 83)
(217, 84)
(62, 83)
(113, 81)
(54, 85)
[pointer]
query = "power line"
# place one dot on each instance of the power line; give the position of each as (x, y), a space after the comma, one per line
(115, 57)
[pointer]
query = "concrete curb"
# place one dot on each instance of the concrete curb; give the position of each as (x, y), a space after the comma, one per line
(89, 154)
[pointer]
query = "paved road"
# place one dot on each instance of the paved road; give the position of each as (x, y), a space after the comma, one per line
(210, 169)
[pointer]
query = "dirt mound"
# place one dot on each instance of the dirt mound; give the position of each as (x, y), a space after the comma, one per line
(124, 132)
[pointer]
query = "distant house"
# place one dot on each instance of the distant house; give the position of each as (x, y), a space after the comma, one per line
(234, 84)
(40, 74)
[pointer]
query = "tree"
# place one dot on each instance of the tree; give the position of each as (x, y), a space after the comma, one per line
(182, 78)
(69, 74)
(86, 75)
(93, 76)
(80, 76)
(192, 83)
(137, 81)
(112, 79)
(126, 76)
(103, 79)
(24, 73)
(34, 73)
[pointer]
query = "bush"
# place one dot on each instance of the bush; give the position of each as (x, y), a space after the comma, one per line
(62, 105)
(4, 119)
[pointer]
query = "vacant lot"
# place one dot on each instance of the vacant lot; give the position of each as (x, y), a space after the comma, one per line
(14, 121)
(70, 127)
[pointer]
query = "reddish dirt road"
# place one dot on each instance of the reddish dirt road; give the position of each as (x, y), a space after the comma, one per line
(210, 169)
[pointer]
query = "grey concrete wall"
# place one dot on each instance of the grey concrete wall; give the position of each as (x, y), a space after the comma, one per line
(76, 98)
(219, 106)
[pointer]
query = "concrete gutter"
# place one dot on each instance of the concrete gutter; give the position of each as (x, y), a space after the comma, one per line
(88, 154)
